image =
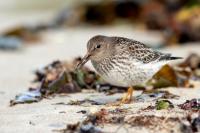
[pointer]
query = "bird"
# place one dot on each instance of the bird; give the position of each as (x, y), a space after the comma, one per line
(124, 62)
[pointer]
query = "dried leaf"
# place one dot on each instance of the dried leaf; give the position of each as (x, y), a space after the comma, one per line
(164, 78)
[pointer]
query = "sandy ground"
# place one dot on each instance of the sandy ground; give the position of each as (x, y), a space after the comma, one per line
(16, 69)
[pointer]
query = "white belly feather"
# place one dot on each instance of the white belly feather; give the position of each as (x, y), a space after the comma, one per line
(133, 75)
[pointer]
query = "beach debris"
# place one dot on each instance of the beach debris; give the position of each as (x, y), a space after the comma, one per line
(193, 104)
(32, 123)
(123, 116)
(165, 77)
(119, 111)
(24, 33)
(10, 43)
(85, 102)
(151, 121)
(60, 103)
(196, 124)
(190, 68)
(191, 124)
(49, 72)
(81, 128)
(89, 124)
(152, 96)
(27, 97)
(70, 128)
(62, 84)
(109, 89)
(159, 105)
(179, 75)
(192, 61)
(164, 104)
(60, 77)
(82, 111)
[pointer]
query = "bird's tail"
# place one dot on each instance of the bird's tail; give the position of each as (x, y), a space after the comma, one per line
(168, 57)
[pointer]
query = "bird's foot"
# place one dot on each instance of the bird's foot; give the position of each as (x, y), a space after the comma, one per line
(125, 100)
(128, 96)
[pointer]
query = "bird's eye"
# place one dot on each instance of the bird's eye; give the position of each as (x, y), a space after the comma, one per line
(98, 46)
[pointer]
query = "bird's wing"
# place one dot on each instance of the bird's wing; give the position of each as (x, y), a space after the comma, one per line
(146, 54)
(143, 53)
(139, 51)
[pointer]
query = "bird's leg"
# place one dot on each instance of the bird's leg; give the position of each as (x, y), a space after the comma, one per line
(126, 99)
(128, 96)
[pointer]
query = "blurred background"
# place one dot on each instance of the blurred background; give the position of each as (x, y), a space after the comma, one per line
(34, 33)
(171, 22)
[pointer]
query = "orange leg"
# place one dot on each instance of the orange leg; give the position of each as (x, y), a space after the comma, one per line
(128, 96)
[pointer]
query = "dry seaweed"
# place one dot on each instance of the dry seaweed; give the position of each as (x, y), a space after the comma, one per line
(24, 33)
(60, 103)
(192, 61)
(190, 67)
(159, 105)
(60, 77)
(81, 128)
(118, 117)
(85, 102)
(27, 97)
(164, 104)
(151, 121)
(82, 112)
(154, 123)
(89, 125)
(193, 104)
(62, 84)
(155, 95)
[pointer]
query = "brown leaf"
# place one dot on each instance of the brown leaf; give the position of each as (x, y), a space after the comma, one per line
(164, 78)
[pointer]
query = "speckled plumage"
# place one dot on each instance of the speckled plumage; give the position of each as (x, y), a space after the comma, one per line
(124, 62)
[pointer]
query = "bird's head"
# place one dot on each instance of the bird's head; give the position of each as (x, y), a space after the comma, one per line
(98, 47)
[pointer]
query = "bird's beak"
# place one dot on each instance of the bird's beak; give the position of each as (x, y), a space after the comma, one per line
(83, 61)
